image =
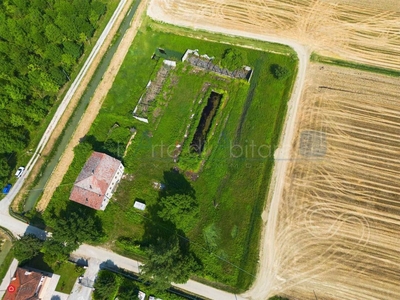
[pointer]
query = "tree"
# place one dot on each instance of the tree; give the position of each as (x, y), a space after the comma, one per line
(167, 263)
(40, 43)
(279, 72)
(69, 233)
(55, 251)
(232, 59)
(14, 139)
(127, 290)
(4, 168)
(180, 209)
(27, 247)
(106, 285)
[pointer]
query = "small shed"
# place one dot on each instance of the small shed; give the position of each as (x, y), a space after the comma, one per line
(139, 205)
(141, 295)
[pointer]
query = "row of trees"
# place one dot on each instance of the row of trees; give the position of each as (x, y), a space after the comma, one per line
(70, 232)
(40, 43)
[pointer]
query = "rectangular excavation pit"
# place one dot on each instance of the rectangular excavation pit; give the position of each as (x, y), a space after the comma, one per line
(209, 111)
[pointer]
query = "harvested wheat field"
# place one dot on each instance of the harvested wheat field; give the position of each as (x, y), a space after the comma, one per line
(364, 31)
(338, 224)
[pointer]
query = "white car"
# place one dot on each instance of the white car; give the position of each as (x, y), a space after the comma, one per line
(19, 172)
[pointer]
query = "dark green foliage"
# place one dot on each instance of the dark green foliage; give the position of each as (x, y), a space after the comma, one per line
(278, 298)
(232, 59)
(279, 72)
(180, 209)
(27, 247)
(116, 142)
(13, 139)
(4, 168)
(70, 231)
(128, 290)
(105, 286)
(40, 43)
(167, 263)
(126, 287)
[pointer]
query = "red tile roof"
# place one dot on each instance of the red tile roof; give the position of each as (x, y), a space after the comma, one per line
(27, 285)
(92, 183)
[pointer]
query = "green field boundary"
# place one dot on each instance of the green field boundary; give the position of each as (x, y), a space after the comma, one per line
(348, 64)
(221, 38)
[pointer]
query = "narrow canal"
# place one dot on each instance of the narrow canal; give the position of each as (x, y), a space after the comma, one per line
(37, 190)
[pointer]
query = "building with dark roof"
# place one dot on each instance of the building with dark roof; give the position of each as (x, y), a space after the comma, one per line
(97, 181)
(26, 285)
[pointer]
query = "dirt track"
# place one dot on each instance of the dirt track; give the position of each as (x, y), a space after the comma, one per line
(94, 106)
(333, 228)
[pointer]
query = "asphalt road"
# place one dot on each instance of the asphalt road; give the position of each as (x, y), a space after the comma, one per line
(112, 260)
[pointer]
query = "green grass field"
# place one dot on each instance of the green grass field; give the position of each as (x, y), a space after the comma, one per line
(238, 158)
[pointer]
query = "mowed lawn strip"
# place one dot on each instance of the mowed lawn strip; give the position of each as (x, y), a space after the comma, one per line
(231, 188)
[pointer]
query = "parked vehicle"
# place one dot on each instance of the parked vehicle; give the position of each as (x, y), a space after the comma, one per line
(7, 188)
(19, 172)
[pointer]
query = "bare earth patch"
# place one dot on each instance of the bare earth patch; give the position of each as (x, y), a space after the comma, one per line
(93, 107)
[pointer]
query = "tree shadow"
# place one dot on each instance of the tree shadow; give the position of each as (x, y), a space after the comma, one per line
(109, 265)
(38, 263)
(93, 142)
(157, 229)
(176, 183)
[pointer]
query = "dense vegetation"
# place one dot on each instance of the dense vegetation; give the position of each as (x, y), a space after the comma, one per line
(40, 43)
(226, 198)
(122, 286)
(27, 247)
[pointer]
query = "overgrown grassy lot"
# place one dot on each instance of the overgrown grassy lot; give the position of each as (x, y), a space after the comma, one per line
(234, 168)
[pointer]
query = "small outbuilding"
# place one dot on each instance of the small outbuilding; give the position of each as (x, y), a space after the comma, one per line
(139, 205)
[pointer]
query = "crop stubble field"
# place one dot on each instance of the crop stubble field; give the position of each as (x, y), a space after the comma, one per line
(339, 217)
(359, 31)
